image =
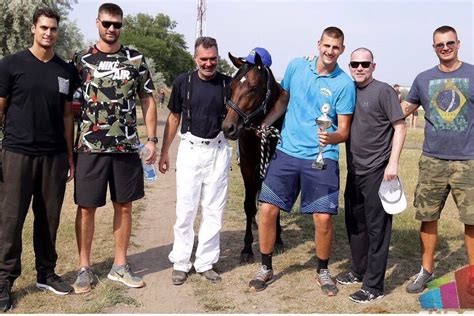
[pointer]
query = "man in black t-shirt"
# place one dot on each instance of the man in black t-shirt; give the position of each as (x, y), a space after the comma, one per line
(373, 150)
(35, 105)
(203, 161)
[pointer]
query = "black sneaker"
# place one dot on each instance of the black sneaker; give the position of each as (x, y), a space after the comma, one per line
(5, 296)
(55, 284)
(420, 282)
(347, 278)
(365, 296)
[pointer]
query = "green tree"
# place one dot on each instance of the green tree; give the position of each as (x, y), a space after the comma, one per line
(224, 67)
(15, 26)
(155, 38)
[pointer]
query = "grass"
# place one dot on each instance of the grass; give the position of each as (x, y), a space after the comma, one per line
(295, 290)
(28, 299)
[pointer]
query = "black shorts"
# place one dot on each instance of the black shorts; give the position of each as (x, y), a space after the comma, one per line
(123, 172)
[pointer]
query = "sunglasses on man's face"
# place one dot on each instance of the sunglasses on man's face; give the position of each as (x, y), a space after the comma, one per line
(449, 44)
(107, 24)
(355, 64)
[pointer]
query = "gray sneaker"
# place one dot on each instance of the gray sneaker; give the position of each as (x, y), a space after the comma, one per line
(84, 281)
(263, 278)
(125, 275)
(328, 286)
(419, 284)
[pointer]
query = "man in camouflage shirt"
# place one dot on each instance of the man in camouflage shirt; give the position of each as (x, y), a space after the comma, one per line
(111, 76)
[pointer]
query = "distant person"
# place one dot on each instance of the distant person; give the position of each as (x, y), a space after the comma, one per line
(373, 151)
(198, 101)
(313, 86)
(161, 97)
(35, 106)
(446, 93)
(111, 76)
(413, 118)
(397, 90)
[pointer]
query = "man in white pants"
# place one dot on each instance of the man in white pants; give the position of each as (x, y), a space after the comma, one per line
(202, 164)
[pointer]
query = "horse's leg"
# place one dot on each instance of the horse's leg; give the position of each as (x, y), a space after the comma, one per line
(248, 158)
(279, 246)
(246, 255)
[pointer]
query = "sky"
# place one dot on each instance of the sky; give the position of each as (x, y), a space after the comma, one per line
(399, 33)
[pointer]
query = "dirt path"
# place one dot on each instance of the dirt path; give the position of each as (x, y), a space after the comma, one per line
(152, 239)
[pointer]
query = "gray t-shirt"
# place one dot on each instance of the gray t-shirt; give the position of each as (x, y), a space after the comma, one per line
(370, 141)
(448, 100)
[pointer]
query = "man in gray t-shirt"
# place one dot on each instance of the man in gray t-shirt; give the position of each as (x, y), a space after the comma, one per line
(446, 93)
(377, 135)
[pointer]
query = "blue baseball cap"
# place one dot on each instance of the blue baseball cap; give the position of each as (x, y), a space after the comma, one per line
(264, 55)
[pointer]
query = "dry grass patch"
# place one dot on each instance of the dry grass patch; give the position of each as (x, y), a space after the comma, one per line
(296, 290)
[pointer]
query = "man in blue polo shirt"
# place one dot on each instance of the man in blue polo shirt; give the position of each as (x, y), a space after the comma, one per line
(312, 85)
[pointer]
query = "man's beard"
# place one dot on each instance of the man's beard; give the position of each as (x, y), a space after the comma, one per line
(109, 41)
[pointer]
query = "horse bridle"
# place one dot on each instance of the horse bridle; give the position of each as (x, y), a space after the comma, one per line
(263, 107)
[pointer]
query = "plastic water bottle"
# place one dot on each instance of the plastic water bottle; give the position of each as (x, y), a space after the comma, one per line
(149, 170)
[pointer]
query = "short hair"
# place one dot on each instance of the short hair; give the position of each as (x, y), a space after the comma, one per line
(333, 32)
(396, 86)
(366, 50)
(47, 12)
(445, 29)
(110, 8)
(206, 42)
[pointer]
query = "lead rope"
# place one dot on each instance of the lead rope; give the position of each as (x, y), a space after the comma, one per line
(266, 133)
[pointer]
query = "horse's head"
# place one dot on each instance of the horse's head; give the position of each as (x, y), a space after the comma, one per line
(252, 91)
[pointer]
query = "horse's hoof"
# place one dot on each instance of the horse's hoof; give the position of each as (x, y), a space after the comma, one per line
(246, 258)
(279, 248)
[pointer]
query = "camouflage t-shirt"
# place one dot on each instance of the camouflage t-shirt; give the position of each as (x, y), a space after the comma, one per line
(110, 83)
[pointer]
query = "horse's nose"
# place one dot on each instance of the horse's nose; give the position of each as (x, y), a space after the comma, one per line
(230, 130)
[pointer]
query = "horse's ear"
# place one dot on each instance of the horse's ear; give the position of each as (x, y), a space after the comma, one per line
(236, 61)
(258, 60)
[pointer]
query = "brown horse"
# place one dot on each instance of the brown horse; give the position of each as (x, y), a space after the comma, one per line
(254, 91)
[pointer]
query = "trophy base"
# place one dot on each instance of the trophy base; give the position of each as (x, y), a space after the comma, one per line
(319, 166)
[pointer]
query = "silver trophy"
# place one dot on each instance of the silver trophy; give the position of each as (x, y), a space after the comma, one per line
(324, 122)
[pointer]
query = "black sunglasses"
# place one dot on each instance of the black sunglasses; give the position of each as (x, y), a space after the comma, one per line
(107, 24)
(450, 44)
(355, 64)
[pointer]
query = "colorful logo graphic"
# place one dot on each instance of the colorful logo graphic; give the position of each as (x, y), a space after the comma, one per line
(448, 103)
(446, 294)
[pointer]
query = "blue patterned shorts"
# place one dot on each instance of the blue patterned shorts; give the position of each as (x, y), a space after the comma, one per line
(287, 176)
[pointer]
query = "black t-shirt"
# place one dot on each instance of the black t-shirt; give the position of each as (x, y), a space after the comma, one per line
(207, 103)
(370, 140)
(35, 92)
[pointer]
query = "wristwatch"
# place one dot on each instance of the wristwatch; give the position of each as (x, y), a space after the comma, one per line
(153, 139)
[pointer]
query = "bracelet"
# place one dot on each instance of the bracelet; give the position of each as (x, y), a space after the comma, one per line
(153, 139)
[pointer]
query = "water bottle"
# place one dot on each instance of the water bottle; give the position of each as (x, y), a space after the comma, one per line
(149, 170)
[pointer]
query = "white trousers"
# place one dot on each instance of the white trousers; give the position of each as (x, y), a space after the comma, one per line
(202, 169)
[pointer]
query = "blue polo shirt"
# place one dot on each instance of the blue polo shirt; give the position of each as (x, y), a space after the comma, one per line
(308, 92)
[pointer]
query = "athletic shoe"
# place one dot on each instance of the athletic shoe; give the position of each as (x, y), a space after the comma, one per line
(419, 284)
(5, 296)
(347, 278)
(125, 275)
(84, 281)
(211, 276)
(263, 278)
(365, 296)
(55, 284)
(327, 283)
(178, 277)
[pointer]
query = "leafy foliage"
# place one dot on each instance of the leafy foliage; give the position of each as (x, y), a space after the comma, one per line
(15, 26)
(224, 67)
(155, 38)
